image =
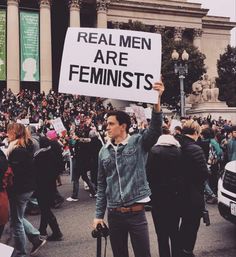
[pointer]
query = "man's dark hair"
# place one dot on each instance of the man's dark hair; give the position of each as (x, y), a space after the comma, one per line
(178, 128)
(122, 118)
(233, 128)
(208, 133)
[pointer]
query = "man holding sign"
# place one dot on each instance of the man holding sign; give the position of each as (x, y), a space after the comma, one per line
(122, 183)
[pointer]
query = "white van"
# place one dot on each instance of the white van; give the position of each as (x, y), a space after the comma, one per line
(227, 192)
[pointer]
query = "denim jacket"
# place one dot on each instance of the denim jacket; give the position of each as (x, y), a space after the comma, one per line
(121, 172)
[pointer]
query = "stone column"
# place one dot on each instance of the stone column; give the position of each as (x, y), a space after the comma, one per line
(178, 33)
(13, 48)
(197, 33)
(45, 46)
(74, 6)
(102, 6)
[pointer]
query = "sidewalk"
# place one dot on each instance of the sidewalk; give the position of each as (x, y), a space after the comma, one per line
(75, 219)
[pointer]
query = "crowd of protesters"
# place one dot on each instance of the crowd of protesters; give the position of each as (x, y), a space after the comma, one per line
(41, 108)
(35, 160)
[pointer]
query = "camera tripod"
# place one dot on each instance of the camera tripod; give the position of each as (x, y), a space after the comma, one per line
(99, 247)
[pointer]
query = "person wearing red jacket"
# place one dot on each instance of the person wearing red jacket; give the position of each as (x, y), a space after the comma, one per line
(5, 181)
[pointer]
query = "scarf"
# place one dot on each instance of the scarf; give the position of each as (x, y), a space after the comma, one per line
(11, 147)
(167, 140)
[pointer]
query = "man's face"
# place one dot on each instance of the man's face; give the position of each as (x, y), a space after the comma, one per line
(177, 132)
(114, 129)
(234, 134)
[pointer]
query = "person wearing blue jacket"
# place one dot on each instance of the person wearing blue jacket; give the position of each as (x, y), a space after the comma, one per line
(231, 145)
(122, 184)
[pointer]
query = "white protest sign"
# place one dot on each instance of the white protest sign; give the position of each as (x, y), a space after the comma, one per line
(23, 121)
(58, 125)
(77, 122)
(111, 63)
(5, 250)
(174, 123)
(129, 109)
(36, 125)
(139, 113)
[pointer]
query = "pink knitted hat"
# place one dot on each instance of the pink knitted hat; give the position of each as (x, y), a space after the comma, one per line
(51, 134)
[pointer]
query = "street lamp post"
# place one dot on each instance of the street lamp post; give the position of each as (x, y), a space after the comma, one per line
(181, 69)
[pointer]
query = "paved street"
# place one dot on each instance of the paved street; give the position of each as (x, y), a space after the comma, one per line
(75, 219)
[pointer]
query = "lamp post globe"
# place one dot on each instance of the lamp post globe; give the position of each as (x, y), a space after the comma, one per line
(181, 69)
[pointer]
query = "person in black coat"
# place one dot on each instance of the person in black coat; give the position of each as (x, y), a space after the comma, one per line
(20, 158)
(81, 165)
(95, 146)
(57, 150)
(164, 176)
(45, 162)
(195, 173)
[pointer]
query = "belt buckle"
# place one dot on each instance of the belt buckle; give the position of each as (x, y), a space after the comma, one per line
(123, 209)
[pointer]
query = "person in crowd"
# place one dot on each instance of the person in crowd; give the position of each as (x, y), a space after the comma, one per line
(57, 149)
(214, 161)
(20, 157)
(64, 138)
(35, 137)
(165, 179)
(32, 207)
(178, 133)
(231, 145)
(95, 146)
(204, 141)
(5, 181)
(81, 165)
(122, 183)
(45, 162)
(195, 173)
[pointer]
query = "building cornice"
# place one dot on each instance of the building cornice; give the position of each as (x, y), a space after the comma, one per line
(13, 2)
(216, 22)
(159, 8)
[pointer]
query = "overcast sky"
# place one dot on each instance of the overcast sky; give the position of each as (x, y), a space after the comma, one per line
(221, 8)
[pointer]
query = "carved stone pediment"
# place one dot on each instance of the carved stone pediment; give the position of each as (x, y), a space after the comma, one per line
(197, 33)
(102, 5)
(75, 4)
(45, 3)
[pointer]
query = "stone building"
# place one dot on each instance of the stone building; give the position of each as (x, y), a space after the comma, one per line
(187, 20)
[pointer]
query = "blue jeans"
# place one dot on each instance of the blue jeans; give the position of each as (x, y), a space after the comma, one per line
(207, 189)
(75, 178)
(21, 226)
(133, 223)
